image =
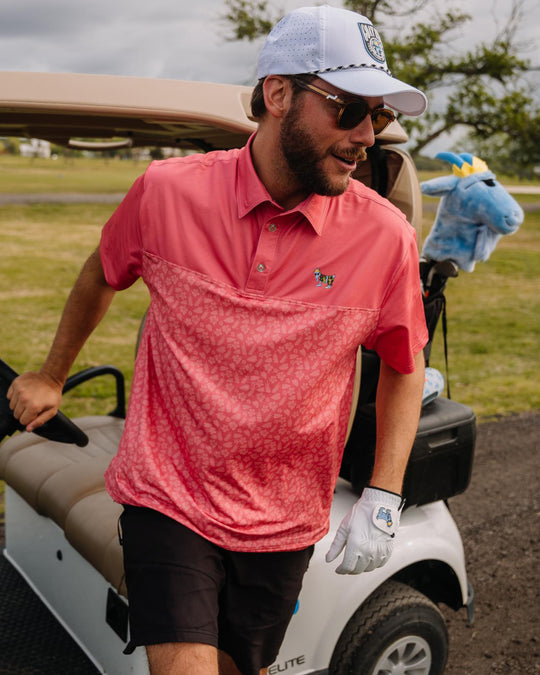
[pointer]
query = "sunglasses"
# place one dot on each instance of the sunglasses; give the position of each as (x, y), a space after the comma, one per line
(351, 113)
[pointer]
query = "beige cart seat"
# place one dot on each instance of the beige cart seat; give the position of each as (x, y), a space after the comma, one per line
(65, 483)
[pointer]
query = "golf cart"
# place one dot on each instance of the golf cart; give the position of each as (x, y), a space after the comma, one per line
(61, 525)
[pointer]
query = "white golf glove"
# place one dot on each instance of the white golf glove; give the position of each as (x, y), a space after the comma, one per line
(367, 532)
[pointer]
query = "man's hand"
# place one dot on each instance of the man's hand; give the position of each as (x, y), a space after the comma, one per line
(34, 399)
(367, 532)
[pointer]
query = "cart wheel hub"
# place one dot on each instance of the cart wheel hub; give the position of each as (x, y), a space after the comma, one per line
(410, 655)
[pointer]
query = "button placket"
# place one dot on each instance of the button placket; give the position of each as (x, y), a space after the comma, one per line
(264, 257)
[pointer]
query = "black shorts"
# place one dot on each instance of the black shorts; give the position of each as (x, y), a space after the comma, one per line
(183, 588)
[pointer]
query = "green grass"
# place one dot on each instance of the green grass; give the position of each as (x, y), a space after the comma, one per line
(494, 312)
(494, 327)
(100, 175)
(43, 248)
(79, 174)
(446, 169)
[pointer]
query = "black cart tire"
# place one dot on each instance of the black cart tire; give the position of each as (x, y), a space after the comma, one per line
(397, 631)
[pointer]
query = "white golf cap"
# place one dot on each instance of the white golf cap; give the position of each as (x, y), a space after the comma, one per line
(341, 47)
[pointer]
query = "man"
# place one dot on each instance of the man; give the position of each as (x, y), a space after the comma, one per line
(267, 268)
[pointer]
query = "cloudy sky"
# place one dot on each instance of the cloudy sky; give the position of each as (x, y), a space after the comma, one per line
(184, 39)
(181, 39)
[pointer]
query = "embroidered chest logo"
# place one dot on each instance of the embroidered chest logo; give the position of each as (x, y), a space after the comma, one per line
(325, 280)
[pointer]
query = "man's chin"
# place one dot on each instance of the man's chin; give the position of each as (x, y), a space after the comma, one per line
(334, 188)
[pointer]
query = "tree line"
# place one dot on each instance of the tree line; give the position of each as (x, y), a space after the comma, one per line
(479, 88)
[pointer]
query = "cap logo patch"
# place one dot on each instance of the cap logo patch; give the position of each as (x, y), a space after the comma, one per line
(372, 42)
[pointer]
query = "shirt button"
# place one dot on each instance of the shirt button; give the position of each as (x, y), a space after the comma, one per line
(261, 267)
(272, 227)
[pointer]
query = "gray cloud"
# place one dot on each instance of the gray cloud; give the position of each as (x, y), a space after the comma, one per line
(182, 39)
(126, 37)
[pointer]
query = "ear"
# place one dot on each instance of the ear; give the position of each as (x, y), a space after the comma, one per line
(439, 186)
(277, 95)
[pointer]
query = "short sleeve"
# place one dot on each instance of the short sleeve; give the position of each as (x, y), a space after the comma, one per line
(121, 244)
(401, 330)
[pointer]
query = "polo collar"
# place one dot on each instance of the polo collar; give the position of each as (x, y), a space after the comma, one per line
(251, 193)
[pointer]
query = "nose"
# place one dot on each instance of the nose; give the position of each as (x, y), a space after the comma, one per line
(363, 133)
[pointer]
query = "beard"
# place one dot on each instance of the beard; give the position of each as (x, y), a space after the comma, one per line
(305, 161)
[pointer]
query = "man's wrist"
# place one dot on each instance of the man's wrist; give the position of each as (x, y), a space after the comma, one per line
(390, 492)
(393, 498)
(52, 377)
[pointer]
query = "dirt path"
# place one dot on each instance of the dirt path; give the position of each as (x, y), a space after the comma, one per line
(498, 517)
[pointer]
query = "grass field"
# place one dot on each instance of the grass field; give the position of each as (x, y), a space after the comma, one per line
(43, 248)
(87, 176)
(493, 313)
(494, 327)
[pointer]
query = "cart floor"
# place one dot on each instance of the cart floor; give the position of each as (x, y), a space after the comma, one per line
(32, 642)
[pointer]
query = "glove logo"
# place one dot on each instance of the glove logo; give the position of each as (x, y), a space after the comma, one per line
(386, 515)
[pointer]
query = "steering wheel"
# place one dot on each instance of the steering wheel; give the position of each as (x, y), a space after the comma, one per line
(60, 428)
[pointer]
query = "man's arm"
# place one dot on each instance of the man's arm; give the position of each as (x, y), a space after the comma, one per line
(367, 532)
(399, 401)
(35, 397)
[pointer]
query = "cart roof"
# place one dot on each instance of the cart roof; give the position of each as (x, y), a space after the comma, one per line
(64, 107)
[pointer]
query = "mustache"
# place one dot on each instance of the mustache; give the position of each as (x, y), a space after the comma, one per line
(352, 154)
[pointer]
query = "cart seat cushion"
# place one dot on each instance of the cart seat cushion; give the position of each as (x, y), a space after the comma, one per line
(66, 483)
(91, 527)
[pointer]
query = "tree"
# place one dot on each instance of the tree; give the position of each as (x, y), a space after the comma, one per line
(480, 88)
(249, 19)
(514, 145)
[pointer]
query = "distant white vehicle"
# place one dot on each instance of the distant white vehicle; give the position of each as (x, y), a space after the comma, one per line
(35, 148)
(61, 525)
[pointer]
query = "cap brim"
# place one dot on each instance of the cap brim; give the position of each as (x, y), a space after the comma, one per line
(374, 83)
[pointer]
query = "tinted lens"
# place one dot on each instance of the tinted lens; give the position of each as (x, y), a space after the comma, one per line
(352, 114)
(381, 119)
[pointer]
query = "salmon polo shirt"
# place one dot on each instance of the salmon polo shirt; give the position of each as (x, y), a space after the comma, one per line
(243, 379)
